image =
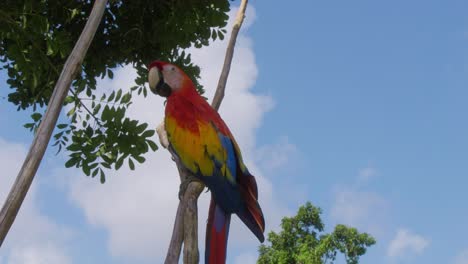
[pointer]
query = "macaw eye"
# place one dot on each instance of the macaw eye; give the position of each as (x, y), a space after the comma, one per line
(172, 68)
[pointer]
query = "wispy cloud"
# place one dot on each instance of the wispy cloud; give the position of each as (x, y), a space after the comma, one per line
(367, 174)
(276, 155)
(462, 257)
(355, 205)
(39, 254)
(405, 243)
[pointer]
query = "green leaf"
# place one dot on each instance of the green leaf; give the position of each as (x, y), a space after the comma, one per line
(58, 135)
(111, 97)
(106, 113)
(119, 163)
(152, 145)
(96, 109)
(29, 125)
(106, 165)
(140, 159)
(71, 162)
(50, 50)
(119, 94)
(74, 12)
(95, 172)
(71, 112)
(74, 147)
(62, 126)
(148, 133)
(59, 148)
(110, 74)
(36, 116)
(103, 177)
(86, 169)
(106, 158)
(131, 164)
(139, 129)
(126, 98)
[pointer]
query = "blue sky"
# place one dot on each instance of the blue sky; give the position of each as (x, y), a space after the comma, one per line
(358, 107)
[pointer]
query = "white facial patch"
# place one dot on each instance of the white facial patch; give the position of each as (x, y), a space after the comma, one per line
(153, 78)
(173, 76)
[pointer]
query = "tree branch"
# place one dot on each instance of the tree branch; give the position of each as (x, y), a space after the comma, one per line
(186, 222)
(41, 139)
(219, 94)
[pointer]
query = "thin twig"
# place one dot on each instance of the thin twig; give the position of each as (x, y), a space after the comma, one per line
(186, 222)
(86, 108)
(41, 139)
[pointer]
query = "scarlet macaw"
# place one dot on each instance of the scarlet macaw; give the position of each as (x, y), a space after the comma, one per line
(204, 145)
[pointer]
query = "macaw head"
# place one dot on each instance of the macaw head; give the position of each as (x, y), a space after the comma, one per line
(165, 78)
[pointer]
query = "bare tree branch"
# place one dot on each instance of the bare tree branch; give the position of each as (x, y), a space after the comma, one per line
(219, 94)
(41, 139)
(186, 222)
(175, 245)
(191, 254)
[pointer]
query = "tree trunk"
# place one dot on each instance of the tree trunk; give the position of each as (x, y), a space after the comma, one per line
(41, 139)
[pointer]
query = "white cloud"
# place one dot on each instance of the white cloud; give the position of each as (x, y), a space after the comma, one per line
(366, 174)
(355, 206)
(273, 156)
(136, 208)
(407, 242)
(462, 257)
(352, 207)
(33, 238)
(40, 254)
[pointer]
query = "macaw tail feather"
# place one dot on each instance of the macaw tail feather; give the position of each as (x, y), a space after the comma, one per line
(252, 214)
(217, 232)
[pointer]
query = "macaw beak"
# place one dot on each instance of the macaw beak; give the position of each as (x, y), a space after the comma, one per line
(156, 80)
(162, 88)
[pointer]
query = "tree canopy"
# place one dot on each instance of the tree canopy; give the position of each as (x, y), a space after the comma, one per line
(302, 241)
(37, 36)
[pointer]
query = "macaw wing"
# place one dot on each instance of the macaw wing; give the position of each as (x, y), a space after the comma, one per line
(203, 149)
(215, 157)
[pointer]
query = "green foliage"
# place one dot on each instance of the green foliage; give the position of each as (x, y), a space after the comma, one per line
(36, 36)
(302, 241)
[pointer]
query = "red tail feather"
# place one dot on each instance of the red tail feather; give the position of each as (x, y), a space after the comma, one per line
(217, 232)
